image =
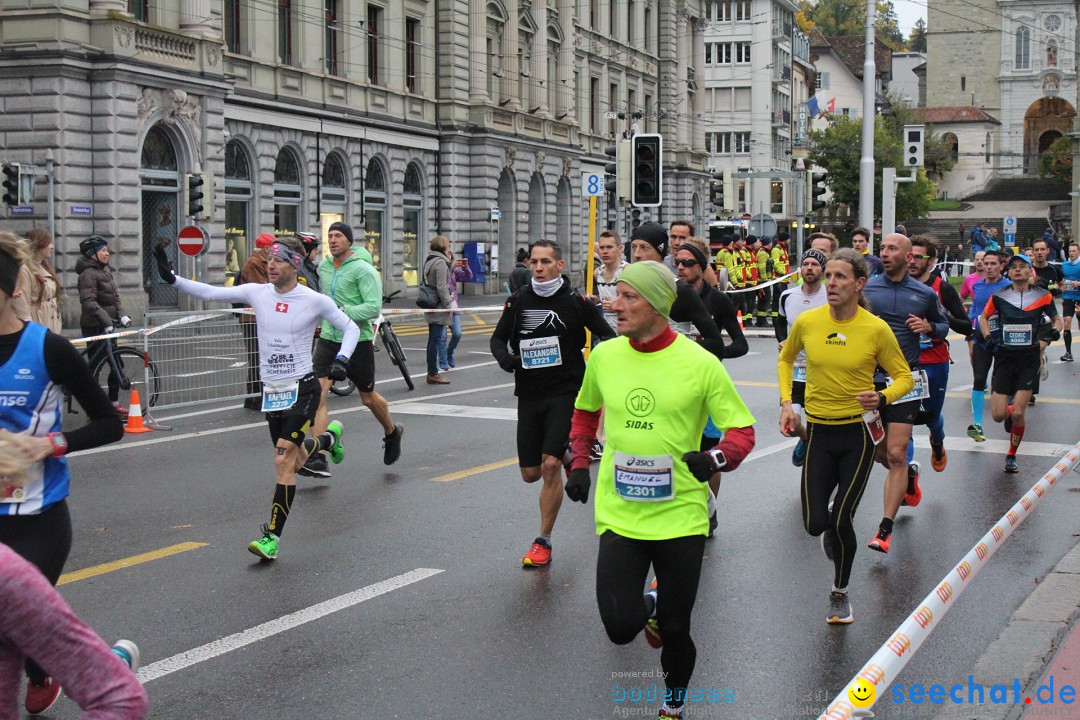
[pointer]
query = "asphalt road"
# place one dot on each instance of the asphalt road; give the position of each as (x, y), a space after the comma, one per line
(399, 591)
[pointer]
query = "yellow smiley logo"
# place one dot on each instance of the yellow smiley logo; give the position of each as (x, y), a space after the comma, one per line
(862, 693)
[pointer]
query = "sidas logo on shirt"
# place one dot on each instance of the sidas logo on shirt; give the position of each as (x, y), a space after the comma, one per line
(282, 307)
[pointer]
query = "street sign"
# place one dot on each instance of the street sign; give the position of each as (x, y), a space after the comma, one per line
(592, 184)
(496, 213)
(1008, 228)
(192, 241)
(81, 210)
(22, 210)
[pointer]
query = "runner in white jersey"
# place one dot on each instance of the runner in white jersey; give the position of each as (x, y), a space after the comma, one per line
(286, 314)
(794, 301)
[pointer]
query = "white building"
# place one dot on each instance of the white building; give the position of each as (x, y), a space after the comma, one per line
(972, 130)
(905, 82)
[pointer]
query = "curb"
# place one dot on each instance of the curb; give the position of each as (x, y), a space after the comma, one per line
(1026, 647)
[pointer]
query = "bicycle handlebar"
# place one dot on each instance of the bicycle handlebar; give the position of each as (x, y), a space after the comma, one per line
(391, 296)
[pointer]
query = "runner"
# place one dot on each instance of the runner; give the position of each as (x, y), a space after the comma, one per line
(1019, 309)
(825, 242)
(36, 364)
(793, 302)
(982, 355)
(844, 344)
(1069, 303)
(286, 313)
(912, 310)
(972, 278)
(1048, 277)
(349, 279)
(860, 241)
(934, 355)
(539, 338)
(610, 249)
(656, 389)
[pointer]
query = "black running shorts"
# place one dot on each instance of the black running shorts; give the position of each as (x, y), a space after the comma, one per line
(798, 393)
(543, 427)
(1068, 308)
(905, 412)
(361, 369)
(1015, 370)
(292, 424)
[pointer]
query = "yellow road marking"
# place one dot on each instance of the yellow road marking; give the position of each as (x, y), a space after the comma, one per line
(478, 320)
(476, 470)
(128, 562)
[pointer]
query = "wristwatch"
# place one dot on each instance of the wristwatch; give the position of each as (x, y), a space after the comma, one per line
(882, 402)
(59, 443)
(719, 461)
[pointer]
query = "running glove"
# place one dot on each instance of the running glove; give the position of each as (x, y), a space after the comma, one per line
(577, 485)
(508, 363)
(338, 369)
(164, 267)
(701, 465)
(1055, 335)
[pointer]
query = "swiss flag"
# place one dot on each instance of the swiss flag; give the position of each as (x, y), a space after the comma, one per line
(282, 307)
(831, 105)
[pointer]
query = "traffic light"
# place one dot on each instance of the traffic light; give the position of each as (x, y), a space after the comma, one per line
(722, 191)
(646, 180)
(199, 195)
(635, 220)
(815, 187)
(11, 185)
(618, 171)
(914, 136)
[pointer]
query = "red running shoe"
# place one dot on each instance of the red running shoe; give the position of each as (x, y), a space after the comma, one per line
(40, 698)
(880, 542)
(914, 495)
(539, 554)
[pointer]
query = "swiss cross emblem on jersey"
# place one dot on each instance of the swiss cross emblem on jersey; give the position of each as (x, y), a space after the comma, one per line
(282, 307)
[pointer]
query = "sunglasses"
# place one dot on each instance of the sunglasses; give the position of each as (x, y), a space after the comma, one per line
(686, 262)
(924, 257)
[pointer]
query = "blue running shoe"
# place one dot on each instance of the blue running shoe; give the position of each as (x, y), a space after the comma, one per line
(798, 455)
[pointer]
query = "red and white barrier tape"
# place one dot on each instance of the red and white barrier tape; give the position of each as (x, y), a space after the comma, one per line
(893, 656)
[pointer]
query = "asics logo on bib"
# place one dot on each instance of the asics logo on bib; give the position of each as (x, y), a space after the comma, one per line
(836, 339)
(640, 402)
(13, 399)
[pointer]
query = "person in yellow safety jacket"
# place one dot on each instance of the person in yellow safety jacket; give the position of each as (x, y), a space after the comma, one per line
(763, 262)
(725, 263)
(750, 276)
(781, 267)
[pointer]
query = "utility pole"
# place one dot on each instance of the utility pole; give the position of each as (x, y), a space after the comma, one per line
(1075, 194)
(866, 162)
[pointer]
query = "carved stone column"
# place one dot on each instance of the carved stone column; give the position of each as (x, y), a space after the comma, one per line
(103, 7)
(479, 62)
(511, 43)
(195, 19)
(567, 93)
(540, 59)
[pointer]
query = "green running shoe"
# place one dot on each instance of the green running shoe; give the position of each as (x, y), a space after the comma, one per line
(975, 432)
(337, 450)
(265, 547)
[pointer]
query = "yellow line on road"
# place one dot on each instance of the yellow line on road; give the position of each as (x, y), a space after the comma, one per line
(476, 470)
(128, 562)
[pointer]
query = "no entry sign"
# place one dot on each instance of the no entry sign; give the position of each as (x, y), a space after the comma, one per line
(192, 241)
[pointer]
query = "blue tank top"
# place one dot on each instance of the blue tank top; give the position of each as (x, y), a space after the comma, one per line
(31, 402)
(1071, 271)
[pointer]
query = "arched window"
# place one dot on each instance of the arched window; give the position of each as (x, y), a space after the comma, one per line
(496, 48)
(953, 143)
(237, 208)
(158, 152)
(333, 180)
(160, 194)
(375, 210)
(1023, 48)
(288, 193)
(412, 198)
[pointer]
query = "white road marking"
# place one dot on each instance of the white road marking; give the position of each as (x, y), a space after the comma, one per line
(996, 447)
(456, 411)
(962, 388)
(161, 668)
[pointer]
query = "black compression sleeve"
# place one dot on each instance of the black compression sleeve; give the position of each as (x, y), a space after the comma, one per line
(66, 367)
(954, 309)
(502, 333)
(689, 308)
(728, 320)
(780, 328)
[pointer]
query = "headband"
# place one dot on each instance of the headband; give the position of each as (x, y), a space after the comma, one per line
(816, 255)
(696, 252)
(286, 253)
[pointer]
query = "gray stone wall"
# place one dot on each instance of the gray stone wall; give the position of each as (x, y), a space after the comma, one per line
(963, 40)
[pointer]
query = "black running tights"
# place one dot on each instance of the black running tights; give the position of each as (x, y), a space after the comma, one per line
(44, 540)
(838, 457)
(622, 567)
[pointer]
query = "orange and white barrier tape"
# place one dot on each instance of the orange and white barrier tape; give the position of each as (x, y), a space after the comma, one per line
(893, 656)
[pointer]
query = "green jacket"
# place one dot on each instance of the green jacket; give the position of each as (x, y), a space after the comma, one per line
(354, 287)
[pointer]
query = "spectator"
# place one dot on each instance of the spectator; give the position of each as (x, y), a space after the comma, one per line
(521, 275)
(38, 290)
(459, 272)
(1053, 244)
(101, 307)
(978, 239)
(960, 229)
(254, 271)
(437, 275)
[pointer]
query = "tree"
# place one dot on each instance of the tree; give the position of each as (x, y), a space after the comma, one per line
(937, 154)
(837, 149)
(848, 17)
(1057, 161)
(888, 25)
(917, 41)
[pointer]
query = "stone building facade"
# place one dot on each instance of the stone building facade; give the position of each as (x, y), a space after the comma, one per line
(405, 118)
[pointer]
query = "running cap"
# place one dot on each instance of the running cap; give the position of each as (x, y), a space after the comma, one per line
(654, 281)
(816, 254)
(1021, 257)
(654, 234)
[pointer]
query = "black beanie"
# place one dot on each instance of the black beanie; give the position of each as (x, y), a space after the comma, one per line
(342, 228)
(652, 233)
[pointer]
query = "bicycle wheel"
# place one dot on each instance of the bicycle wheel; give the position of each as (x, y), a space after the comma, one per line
(343, 387)
(137, 368)
(397, 355)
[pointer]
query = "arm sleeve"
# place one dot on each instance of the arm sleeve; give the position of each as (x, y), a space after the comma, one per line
(891, 357)
(780, 327)
(954, 309)
(500, 337)
(336, 317)
(38, 623)
(594, 320)
(989, 311)
(68, 368)
(725, 317)
(785, 363)
(88, 298)
(583, 427)
(736, 445)
(729, 412)
(688, 307)
(370, 288)
(936, 316)
(213, 293)
(24, 286)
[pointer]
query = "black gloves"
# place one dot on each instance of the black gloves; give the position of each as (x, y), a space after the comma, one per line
(577, 485)
(338, 369)
(164, 267)
(1055, 335)
(992, 343)
(701, 465)
(508, 363)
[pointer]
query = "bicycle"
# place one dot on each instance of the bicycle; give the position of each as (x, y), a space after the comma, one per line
(133, 368)
(384, 329)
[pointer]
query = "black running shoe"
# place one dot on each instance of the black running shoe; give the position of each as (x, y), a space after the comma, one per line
(392, 445)
(316, 467)
(1010, 465)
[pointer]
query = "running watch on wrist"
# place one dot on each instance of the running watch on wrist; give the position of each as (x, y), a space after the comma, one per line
(882, 402)
(718, 458)
(59, 443)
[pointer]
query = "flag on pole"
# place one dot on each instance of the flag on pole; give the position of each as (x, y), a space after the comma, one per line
(813, 107)
(831, 105)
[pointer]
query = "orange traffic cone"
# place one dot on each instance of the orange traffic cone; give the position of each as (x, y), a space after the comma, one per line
(739, 313)
(135, 418)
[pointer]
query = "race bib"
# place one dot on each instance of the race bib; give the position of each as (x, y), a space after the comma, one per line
(13, 488)
(1017, 335)
(925, 341)
(540, 352)
(872, 419)
(921, 391)
(993, 324)
(643, 477)
(800, 371)
(276, 399)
